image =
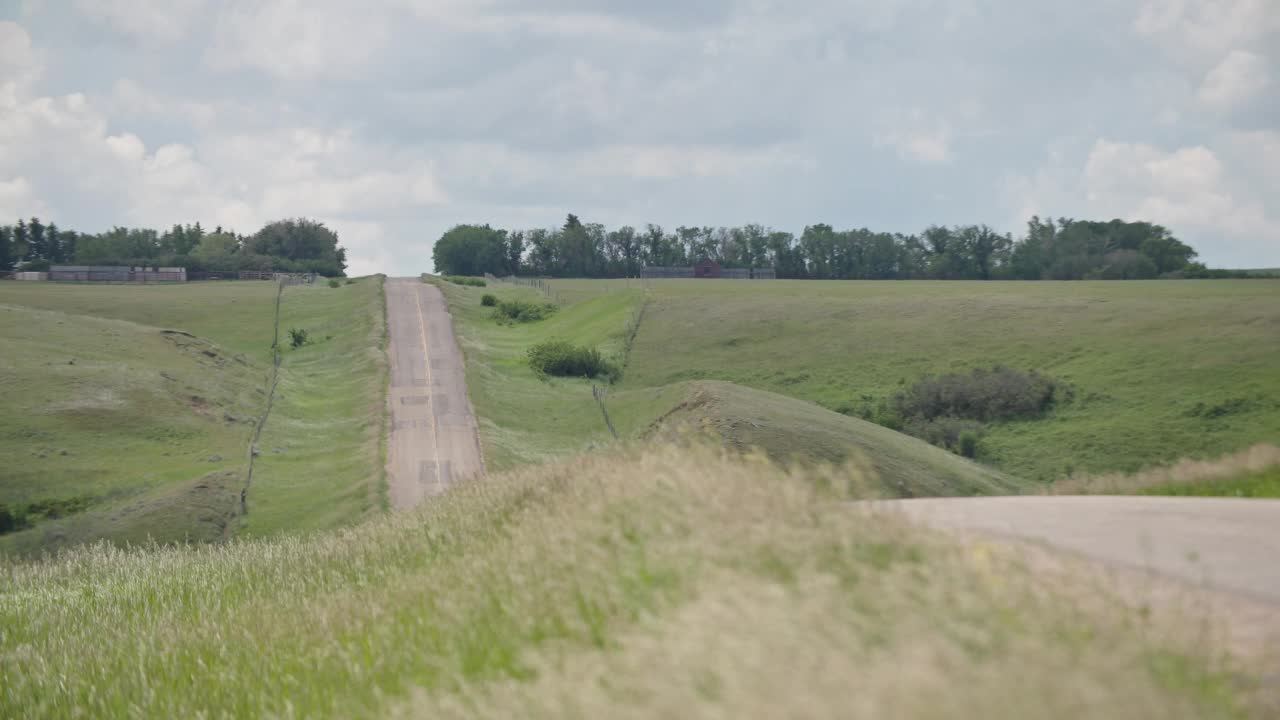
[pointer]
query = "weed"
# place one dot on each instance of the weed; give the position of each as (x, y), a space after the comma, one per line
(564, 359)
(298, 337)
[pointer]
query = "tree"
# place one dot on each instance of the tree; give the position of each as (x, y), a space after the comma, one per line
(471, 250)
(6, 248)
(515, 252)
(37, 246)
(21, 238)
(300, 245)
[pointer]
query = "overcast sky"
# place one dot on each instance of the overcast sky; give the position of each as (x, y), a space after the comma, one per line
(393, 120)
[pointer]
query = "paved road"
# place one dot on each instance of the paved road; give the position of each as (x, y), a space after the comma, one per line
(1226, 544)
(434, 440)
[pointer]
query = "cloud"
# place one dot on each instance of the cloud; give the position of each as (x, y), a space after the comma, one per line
(1238, 78)
(143, 19)
(392, 120)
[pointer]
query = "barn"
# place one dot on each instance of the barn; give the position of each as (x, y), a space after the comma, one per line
(707, 268)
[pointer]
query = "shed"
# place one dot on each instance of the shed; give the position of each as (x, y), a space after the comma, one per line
(706, 268)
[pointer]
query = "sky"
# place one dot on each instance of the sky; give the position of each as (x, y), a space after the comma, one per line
(393, 120)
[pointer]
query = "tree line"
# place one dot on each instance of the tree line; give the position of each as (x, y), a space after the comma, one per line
(1062, 249)
(294, 245)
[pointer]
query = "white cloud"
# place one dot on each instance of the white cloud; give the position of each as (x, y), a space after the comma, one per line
(1207, 28)
(166, 22)
(293, 39)
(1238, 78)
(18, 63)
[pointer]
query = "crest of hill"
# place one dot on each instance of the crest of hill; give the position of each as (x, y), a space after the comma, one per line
(792, 431)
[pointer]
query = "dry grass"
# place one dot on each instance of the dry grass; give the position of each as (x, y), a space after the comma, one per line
(660, 582)
(1255, 459)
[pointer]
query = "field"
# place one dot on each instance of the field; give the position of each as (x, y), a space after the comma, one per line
(130, 409)
(654, 583)
(525, 418)
(1159, 370)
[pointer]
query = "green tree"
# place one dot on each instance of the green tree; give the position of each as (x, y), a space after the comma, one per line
(300, 245)
(6, 248)
(37, 245)
(471, 250)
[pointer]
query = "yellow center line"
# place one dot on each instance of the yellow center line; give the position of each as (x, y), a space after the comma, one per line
(431, 403)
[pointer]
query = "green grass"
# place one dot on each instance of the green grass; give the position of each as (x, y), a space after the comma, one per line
(1264, 484)
(659, 583)
(1160, 370)
(790, 430)
(524, 418)
(151, 427)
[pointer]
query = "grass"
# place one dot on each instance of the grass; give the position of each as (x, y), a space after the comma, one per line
(1160, 370)
(1254, 472)
(525, 417)
(151, 427)
(658, 582)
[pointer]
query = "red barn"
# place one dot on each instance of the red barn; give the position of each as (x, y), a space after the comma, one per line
(706, 268)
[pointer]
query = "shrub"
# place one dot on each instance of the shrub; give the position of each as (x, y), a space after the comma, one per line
(351, 281)
(998, 393)
(564, 359)
(333, 283)
(297, 337)
(488, 300)
(523, 311)
(463, 280)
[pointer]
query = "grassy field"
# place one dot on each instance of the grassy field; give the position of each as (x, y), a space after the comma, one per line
(1159, 370)
(145, 431)
(662, 582)
(526, 418)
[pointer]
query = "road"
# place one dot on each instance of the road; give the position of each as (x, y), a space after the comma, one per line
(1227, 544)
(434, 438)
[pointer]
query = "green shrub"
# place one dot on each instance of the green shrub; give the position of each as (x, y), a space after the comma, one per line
(489, 300)
(969, 444)
(463, 280)
(298, 337)
(523, 311)
(351, 281)
(333, 283)
(998, 393)
(564, 359)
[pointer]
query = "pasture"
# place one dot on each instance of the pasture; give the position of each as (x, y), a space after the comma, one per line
(1158, 370)
(130, 408)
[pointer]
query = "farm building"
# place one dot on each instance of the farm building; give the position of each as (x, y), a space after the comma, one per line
(116, 273)
(710, 269)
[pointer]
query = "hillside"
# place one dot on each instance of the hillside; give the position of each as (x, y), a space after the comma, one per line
(790, 430)
(606, 585)
(130, 410)
(525, 418)
(1156, 370)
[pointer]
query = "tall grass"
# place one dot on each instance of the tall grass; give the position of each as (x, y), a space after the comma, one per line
(658, 582)
(1185, 474)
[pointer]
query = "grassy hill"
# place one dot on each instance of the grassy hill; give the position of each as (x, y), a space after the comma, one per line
(1158, 370)
(526, 418)
(790, 430)
(659, 583)
(129, 410)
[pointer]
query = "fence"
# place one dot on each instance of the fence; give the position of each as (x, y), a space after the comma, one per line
(535, 283)
(670, 273)
(287, 278)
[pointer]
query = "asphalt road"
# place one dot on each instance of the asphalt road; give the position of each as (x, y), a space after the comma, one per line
(1225, 544)
(434, 440)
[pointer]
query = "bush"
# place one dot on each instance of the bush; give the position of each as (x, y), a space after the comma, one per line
(333, 283)
(998, 393)
(35, 266)
(523, 311)
(489, 300)
(463, 280)
(564, 359)
(297, 338)
(351, 281)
